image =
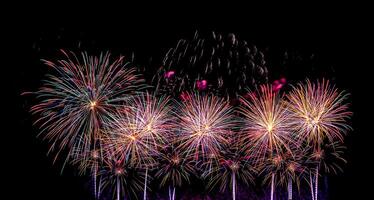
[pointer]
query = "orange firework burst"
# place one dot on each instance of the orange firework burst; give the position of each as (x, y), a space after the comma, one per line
(266, 124)
(318, 112)
(206, 122)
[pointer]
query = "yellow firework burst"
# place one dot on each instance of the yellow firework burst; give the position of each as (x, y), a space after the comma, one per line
(318, 111)
(266, 124)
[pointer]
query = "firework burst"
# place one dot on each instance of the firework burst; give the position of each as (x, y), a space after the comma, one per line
(318, 111)
(285, 168)
(140, 129)
(174, 169)
(266, 130)
(319, 115)
(232, 166)
(76, 101)
(266, 126)
(154, 118)
(206, 122)
(87, 161)
(119, 176)
(329, 157)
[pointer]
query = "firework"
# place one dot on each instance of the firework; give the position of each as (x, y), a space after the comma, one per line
(82, 95)
(140, 130)
(88, 162)
(153, 118)
(284, 168)
(232, 166)
(318, 112)
(319, 115)
(174, 169)
(266, 126)
(206, 122)
(119, 176)
(92, 109)
(328, 158)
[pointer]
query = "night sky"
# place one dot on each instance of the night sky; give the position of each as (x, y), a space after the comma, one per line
(336, 40)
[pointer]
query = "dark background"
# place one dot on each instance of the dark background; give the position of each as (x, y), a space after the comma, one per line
(338, 38)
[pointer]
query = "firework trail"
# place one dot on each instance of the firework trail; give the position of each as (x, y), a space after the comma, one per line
(88, 162)
(319, 114)
(174, 169)
(80, 97)
(206, 122)
(119, 176)
(155, 114)
(266, 128)
(328, 159)
(140, 130)
(232, 166)
(219, 63)
(284, 168)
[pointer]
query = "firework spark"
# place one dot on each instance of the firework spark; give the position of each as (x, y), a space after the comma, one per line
(76, 101)
(206, 122)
